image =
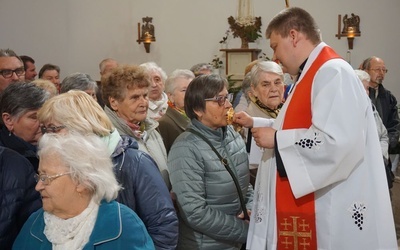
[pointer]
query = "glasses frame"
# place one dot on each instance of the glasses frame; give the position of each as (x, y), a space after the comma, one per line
(11, 72)
(221, 100)
(380, 70)
(51, 129)
(46, 180)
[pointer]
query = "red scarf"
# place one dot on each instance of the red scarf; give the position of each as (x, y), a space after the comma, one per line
(296, 217)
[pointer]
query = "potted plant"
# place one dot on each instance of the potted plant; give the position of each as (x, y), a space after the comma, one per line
(247, 28)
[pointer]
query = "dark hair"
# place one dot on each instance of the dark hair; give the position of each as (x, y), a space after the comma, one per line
(26, 59)
(48, 66)
(19, 98)
(294, 18)
(200, 88)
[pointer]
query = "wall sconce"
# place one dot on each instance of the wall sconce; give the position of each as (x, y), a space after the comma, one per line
(146, 33)
(351, 28)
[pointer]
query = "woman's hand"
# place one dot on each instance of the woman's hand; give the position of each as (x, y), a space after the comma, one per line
(241, 215)
(243, 119)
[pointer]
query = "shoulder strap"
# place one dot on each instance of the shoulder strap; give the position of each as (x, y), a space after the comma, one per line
(226, 165)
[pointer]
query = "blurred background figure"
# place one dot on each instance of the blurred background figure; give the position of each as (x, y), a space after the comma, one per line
(143, 189)
(11, 68)
(77, 194)
(244, 95)
(46, 85)
(51, 72)
(382, 132)
(20, 129)
(125, 92)
(30, 68)
(210, 210)
(107, 65)
(201, 69)
(79, 81)
(158, 100)
(175, 121)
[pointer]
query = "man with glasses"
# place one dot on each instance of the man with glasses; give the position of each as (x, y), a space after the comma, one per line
(11, 68)
(385, 103)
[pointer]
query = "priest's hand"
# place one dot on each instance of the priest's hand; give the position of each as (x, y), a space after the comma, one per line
(243, 119)
(264, 137)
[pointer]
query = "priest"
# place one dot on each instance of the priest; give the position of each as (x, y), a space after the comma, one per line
(321, 182)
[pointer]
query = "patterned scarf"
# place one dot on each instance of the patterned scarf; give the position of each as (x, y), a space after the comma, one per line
(273, 113)
(180, 111)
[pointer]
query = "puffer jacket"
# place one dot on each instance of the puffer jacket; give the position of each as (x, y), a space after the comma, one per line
(18, 197)
(145, 192)
(207, 197)
(27, 150)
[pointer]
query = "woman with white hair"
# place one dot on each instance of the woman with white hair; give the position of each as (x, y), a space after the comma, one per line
(77, 193)
(158, 100)
(175, 121)
(267, 88)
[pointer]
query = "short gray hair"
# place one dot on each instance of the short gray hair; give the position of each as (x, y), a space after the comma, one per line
(170, 83)
(78, 81)
(151, 67)
(197, 68)
(9, 53)
(264, 66)
(19, 98)
(93, 168)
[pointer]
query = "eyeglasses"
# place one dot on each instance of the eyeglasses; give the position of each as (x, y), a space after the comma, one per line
(46, 180)
(380, 70)
(221, 99)
(7, 73)
(51, 129)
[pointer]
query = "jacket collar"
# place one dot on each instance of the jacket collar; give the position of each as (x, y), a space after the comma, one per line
(108, 225)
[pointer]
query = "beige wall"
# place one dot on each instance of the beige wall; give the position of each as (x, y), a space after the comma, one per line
(78, 34)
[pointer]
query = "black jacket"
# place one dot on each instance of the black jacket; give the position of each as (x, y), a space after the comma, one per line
(18, 197)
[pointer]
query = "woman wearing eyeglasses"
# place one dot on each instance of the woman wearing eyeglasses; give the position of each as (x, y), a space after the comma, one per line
(77, 194)
(20, 130)
(210, 207)
(143, 190)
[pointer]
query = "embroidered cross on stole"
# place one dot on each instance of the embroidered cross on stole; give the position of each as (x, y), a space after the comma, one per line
(296, 217)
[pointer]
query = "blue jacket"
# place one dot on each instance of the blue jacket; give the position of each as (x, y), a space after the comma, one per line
(145, 192)
(116, 227)
(18, 197)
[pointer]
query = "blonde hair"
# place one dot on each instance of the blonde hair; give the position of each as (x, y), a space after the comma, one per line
(46, 85)
(78, 112)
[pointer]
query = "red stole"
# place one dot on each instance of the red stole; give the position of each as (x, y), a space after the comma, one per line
(296, 217)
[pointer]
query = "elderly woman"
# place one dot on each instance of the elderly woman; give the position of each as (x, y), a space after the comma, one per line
(143, 190)
(158, 99)
(267, 88)
(174, 122)
(79, 81)
(211, 196)
(125, 92)
(19, 124)
(77, 193)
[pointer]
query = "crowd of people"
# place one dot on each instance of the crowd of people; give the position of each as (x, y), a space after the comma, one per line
(146, 160)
